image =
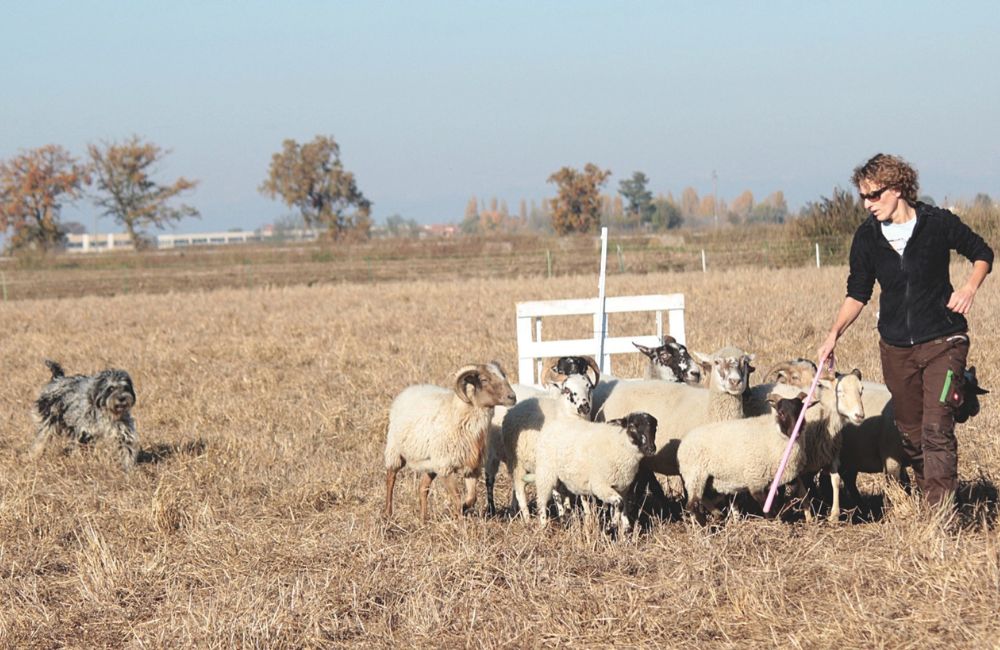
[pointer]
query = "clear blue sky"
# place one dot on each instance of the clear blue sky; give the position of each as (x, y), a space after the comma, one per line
(434, 102)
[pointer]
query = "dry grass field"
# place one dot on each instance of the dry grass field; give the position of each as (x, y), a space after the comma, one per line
(253, 519)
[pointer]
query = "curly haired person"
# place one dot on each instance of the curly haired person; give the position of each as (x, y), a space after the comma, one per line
(906, 246)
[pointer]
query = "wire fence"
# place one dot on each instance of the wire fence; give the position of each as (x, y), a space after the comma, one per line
(57, 276)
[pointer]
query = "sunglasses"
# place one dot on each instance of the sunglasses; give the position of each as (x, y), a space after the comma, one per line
(874, 195)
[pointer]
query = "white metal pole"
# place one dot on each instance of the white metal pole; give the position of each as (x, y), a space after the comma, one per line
(600, 325)
(704, 267)
(817, 255)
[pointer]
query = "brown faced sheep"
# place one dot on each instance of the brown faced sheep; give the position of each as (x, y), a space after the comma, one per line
(438, 430)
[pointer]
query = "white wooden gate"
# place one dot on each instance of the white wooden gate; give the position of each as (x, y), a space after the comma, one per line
(531, 349)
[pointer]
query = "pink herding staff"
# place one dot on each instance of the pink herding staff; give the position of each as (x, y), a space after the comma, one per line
(795, 434)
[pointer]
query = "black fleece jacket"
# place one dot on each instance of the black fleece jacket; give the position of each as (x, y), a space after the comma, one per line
(916, 285)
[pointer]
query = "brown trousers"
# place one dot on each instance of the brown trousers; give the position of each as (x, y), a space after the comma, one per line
(925, 409)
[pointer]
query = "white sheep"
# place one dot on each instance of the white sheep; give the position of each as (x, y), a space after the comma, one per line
(592, 459)
(443, 431)
(840, 397)
(513, 443)
(738, 455)
(679, 407)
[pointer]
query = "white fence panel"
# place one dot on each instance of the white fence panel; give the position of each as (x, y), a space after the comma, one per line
(531, 349)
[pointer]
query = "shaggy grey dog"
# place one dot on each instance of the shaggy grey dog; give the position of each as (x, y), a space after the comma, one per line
(88, 408)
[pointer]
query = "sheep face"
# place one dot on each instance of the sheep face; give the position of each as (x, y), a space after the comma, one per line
(484, 386)
(641, 430)
(786, 411)
(576, 392)
(671, 361)
(970, 393)
(566, 366)
(730, 374)
(848, 389)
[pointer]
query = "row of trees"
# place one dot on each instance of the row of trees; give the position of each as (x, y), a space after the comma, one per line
(580, 206)
(36, 184)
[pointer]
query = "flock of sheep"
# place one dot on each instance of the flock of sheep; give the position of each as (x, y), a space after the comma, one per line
(590, 437)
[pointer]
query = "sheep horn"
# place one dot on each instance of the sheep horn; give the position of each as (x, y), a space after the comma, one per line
(461, 378)
(784, 366)
(597, 371)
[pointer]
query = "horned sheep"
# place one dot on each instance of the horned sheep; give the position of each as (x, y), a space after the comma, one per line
(443, 431)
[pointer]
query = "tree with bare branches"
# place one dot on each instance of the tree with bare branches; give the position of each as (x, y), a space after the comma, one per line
(34, 185)
(126, 191)
(311, 177)
(577, 208)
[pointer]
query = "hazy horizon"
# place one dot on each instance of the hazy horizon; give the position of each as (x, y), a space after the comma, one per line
(433, 103)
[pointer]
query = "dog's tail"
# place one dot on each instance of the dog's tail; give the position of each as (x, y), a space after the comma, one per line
(55, 368)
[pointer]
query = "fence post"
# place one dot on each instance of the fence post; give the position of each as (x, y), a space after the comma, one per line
(817, 255)
(548, 261)
(704, 267)
(621, 260)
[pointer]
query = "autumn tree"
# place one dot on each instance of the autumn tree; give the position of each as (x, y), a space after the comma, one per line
(470, 221)
(312, 178)
(34, 185)
(577, 208)
(640, 200)
(666, 215)
(741, 207)
(689, 203)
(773, 209)
(126, 191)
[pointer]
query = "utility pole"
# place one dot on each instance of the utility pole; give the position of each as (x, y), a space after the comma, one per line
(715, 197)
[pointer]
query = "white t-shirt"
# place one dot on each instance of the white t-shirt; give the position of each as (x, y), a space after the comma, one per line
(898, 234)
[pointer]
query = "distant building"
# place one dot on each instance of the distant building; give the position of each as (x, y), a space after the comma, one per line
(87, 243)
(439, 230)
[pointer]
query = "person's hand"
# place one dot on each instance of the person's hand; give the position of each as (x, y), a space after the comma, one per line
(826, 349)
(961, 300)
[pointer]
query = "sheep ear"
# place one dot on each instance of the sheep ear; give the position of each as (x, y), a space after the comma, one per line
(773, 399)
(747, 360)
(465, 376)
(857, 373)
(618, 422)
(552, 376)
(649, 352)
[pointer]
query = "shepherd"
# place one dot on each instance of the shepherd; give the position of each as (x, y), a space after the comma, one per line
(924, 340)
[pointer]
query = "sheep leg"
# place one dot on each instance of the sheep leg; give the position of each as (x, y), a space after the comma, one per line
(471, 484)
(835, 483)
(803, 494)
(425, 488)
(612, 497)
(455, 490)
(390, 485)
(491, 509)
(694, 485)
(520, 497)
(588, 513)
(544, 484)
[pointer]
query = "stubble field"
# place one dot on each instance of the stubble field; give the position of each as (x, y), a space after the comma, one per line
(254, 518)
